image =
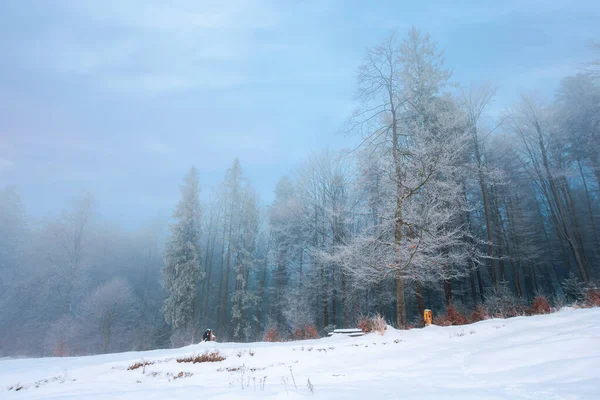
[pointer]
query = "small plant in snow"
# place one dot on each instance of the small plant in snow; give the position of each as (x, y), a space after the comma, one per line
(293, 379)
(262, 383)
(284, 383)
(140, 364)
(310, 386)
(183, 375)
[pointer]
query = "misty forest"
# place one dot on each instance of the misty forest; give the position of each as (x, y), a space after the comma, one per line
(435, 203)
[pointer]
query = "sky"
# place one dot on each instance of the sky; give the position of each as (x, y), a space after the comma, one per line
(121, 98)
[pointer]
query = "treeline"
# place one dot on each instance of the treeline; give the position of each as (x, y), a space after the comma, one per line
(440, 204)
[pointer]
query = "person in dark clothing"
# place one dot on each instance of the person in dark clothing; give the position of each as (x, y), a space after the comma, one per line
(208, 336)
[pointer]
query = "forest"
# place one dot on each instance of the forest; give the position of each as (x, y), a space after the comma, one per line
(442, 203)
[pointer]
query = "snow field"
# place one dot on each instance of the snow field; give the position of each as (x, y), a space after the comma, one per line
(554, 356)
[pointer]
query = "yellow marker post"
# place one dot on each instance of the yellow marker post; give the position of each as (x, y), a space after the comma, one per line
(428, 317)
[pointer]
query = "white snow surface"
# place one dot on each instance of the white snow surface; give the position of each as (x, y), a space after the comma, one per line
(553, 356)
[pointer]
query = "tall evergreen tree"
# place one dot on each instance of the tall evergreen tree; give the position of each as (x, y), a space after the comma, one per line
(181, 272)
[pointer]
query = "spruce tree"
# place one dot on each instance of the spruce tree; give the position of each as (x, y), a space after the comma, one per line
(181, 272)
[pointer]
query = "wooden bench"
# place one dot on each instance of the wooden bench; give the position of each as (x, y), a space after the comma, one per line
(348, 332)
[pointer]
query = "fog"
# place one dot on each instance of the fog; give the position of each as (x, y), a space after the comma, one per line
(256, 166)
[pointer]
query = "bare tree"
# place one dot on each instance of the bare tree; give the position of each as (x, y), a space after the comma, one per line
(111, 311)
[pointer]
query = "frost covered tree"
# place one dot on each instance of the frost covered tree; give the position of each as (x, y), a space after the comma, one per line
(545, 159)
(109, 312)
(416, 129)
(181, 272)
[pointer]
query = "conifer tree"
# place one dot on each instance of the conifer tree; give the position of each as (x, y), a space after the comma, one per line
(181, 272)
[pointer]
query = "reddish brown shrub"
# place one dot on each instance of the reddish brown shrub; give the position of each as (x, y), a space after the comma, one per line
(305, 333)
(139, 364)
(540, 305)
(201, 358)
(61, 349)
(592, 298)
(440, 320)
(310, 332)
(479, 314)
(454, 317)
(298, 334)
(365, 324)
(272, 335)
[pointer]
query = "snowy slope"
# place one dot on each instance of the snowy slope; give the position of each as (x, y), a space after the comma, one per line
(543, 357)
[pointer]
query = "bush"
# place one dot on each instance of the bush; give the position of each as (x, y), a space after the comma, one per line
(592, 298)
(365, 324)
(440, 320)
(452, 317)
(375, 323)
(305, 333)
(310, 332)
(574, 289)
(540, 305)
(480, 313)
(201, 358)
(379, 324)
(272, 335)
(502, 303)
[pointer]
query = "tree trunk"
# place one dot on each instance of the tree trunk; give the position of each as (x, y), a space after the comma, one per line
(399, 279)
(486, 205)
(560, 212)
(589, 206)
(400, 304)
(419, 296)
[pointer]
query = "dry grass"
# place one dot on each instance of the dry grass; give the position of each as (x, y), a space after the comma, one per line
(375, 323)
(183, 375)
(379, 324)
(213, 356)
(139, 364)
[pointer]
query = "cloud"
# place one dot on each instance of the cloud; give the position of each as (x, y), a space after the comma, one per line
(6, 165)
(152, 47)
(156, 146)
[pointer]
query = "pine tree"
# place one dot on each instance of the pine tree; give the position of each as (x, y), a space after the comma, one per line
(181, 272)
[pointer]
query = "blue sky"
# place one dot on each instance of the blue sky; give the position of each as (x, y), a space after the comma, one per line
(121, 97)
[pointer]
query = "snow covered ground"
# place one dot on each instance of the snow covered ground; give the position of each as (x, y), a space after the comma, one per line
(543, 357)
